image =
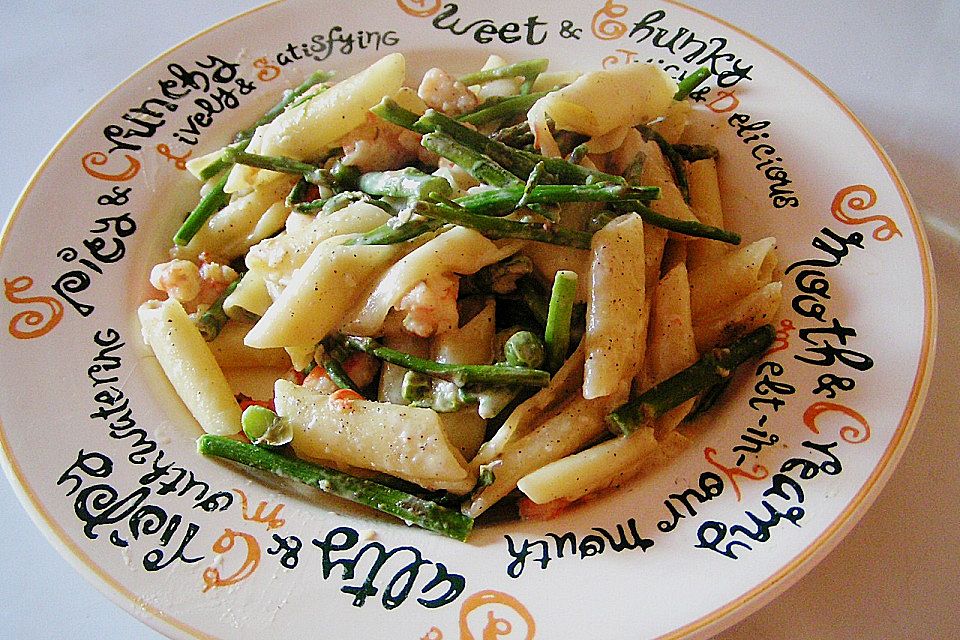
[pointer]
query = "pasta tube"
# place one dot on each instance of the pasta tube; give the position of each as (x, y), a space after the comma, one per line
(614, 335)
(319, 294)
(189, 366)
(406, 442)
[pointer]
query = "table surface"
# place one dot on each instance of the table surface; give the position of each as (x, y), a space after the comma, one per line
(896, 65)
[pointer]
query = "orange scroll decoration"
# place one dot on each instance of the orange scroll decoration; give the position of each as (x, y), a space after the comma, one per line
(31, 323)
(491, 602)
(606, 24)
(758, 472)
(266, 71)
(420, 8)
(272, 519)
(848, 433)
(224, 544)
(860, 197)
(100, 159)
(180, 162)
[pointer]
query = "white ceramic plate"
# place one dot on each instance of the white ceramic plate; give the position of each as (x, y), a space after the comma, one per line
(103, 455)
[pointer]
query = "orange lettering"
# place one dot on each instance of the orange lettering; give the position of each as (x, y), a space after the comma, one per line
(224, 544)
(848, 433)
(272, 519)
(31, 323)
(606, 24)
(782, 337)
(419, 8)
(860, 197)
(99, 159)
(180, 162)
(267, 71)
(725, 101)
(494, 626)
(759, 471)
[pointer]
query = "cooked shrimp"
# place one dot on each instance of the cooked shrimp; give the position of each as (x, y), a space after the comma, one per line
(214, 279)
(179, 279)
(320, 381)
(431, 306)
(443, 92)
(378, 145)
(192, 284)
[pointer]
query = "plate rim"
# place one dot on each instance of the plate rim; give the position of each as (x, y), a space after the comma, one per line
(713, 622)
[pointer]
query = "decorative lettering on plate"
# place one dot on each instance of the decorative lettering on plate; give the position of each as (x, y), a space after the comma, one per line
(266, 71)
(848, 433)
(860, 197)
(495, 614)
(222, 546)
(420, 8)
(100, 159)
(781, 341)
(180, 162)
(757, 472)
(31, 323)
(606, 23)
(272, 519)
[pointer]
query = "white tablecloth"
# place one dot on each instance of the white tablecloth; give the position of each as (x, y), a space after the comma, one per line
(896, 65)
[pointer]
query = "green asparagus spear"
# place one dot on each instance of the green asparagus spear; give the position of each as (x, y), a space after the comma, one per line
(311, 173)
(388, 233)
(508, 108)
(499, 277)
(518, 162)
(533, 180)
(219, 165)
(671, 155)
(535, 298)
(458, 374)
(475, 163)
(403, 505)
(522, 69)
(345, 176)
(516, 136)
(500, 228)
(495, 202)
(556, 335)
(338, 374)
(213, 201)
(315, 78)
(694, 152)
(404, 183)
(298, 194)
(686, 227)
(389, 110)
(212, 320)
(712, 368)
(691, 82)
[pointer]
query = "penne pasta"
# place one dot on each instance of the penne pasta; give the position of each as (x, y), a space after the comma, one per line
(459, 250)
(749, 313)
(731, 276)
(406, 442)
(707, 206)
(613, 339)
(189, 365)
(319, 294)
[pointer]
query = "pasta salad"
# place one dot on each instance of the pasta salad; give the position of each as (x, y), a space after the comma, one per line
(509, 287)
